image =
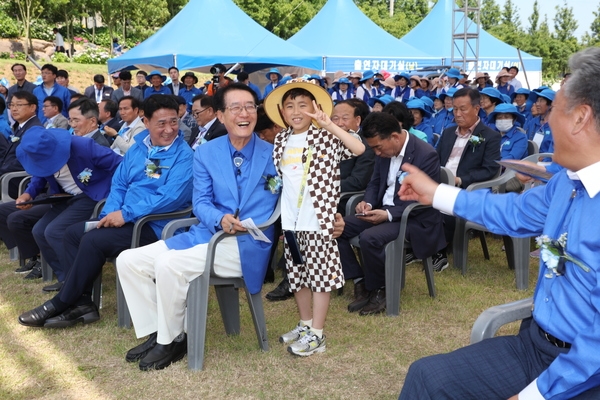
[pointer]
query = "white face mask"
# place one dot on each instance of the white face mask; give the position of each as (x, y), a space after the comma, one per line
(504, 125)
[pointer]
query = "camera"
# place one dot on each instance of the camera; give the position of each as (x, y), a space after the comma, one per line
(216, 70)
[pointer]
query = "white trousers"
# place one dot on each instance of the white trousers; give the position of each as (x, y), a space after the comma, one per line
(160, 307)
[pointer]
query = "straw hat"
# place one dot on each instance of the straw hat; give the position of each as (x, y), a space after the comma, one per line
(273, 102)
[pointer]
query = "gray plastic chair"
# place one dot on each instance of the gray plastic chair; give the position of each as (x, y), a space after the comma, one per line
(395, 267)
(5, 197)
(517, 249)
(227, 290)
(123, 316)
(489, 321)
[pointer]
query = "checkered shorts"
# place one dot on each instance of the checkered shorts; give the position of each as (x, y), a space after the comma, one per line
(322, 270)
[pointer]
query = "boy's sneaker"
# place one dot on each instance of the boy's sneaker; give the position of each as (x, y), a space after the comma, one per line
(440, 262)
(308, 344)
(27, 267)
(409, 258)
(35, 273)
(295, 334)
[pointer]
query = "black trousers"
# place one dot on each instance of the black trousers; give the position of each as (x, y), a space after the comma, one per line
(496, 368)
(86, 253)
(16, 227)
(373, 239)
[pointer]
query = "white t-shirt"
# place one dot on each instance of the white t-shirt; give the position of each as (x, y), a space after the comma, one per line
(292, 170)
(58, 40)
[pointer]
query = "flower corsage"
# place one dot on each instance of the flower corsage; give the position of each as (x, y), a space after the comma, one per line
(475, 141)
(85, 176)
(554, 255)
(153, 168)
(14, 138)
(273, 183)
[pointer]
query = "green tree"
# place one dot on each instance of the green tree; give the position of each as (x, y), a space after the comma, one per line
(282, 17)
(28, 11)
(565, 23)
(593, 39)
(489, 14)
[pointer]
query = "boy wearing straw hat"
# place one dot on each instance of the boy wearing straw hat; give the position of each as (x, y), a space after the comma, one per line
(307, 156)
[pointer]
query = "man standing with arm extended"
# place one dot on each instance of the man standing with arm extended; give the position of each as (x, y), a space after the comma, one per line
(555, 354)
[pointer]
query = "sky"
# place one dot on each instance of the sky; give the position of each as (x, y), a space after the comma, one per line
(582, 9)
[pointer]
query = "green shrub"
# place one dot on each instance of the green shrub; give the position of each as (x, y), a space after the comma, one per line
(9, 28)
(40, 29)
(60, 58)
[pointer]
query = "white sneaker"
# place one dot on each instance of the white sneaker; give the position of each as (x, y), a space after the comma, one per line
(308, 344)
(294, 335)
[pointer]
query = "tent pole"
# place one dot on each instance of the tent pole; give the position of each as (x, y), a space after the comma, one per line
(175, 60)
(324, 65)
(523, 68)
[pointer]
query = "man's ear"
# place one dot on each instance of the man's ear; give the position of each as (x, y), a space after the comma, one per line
(220, 116)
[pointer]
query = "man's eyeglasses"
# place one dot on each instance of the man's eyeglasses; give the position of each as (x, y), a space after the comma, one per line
(236, 110)
(18, 105)
(196, 114)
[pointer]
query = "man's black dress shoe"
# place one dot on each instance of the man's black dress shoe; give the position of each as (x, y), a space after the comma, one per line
(140, 351)
(55, 287)
(376, 303)
(86, 313)
(361, 297)
(39, 315)
(163, 355)
(281, 292)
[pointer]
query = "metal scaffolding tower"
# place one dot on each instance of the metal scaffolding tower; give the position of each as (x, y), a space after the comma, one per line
(465, 36)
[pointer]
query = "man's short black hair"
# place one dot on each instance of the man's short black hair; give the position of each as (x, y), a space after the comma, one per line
(55, 101)
(473, 94)
(75, 96)
(158, 102)
(27, 96)
(514, 67)
(207, 101)
(18, 64)
(173, 67)
(263, 121)
(180, 100)
(242, 76)
(62, 73)
(402, 114)
(197, 97)
(110, 107)
(361, 109)
(51, 68)
(141, 72)
(125, 75)
(135, 103)
(99, 78)
(87, 107)
(219, 97)
(380, 124)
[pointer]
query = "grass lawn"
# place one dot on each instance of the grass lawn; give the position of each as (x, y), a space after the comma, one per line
(367, 357)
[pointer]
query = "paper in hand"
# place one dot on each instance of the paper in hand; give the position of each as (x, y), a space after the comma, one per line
(89, 225)
(534, 171)
(256, 233)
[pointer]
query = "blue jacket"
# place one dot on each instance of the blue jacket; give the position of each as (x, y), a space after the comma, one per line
(443, 120)
(85, 153)
(150, 91)
(566, 306)
(426, 128)
(256, 90)
(4, 127)
(58, 91)
(138, 195)
(188, 95)
(513, 145)
(216, 194)
(268, 89)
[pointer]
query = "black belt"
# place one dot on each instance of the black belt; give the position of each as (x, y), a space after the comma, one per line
(555, 341)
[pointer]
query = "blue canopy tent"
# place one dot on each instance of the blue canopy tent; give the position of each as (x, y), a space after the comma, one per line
(434, 33)
(206, 32)
(349, 41)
